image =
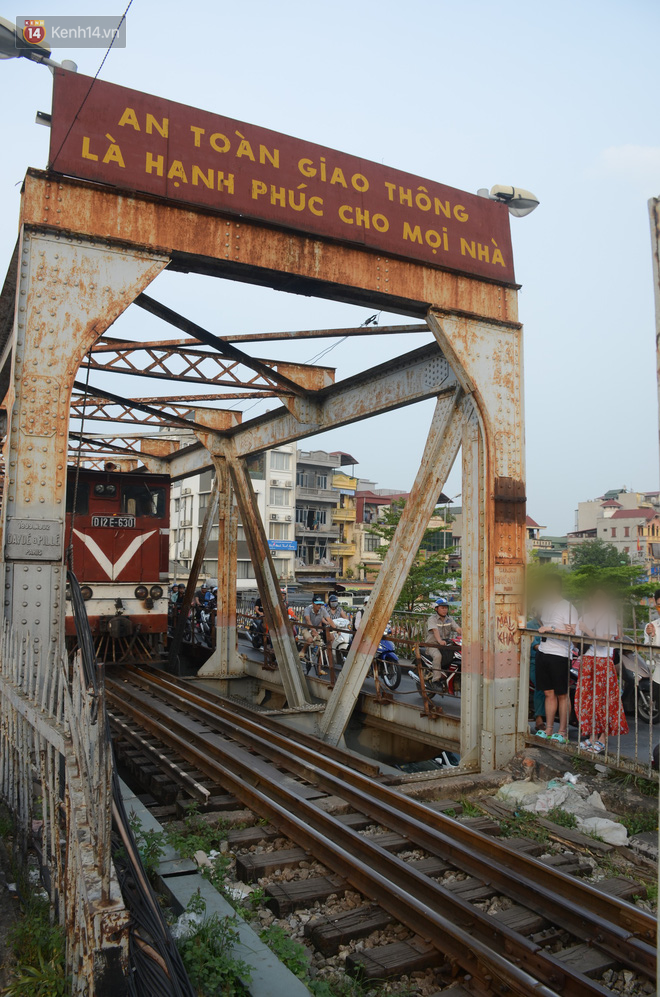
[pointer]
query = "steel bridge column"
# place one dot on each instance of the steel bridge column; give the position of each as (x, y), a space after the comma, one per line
(281, 633)
(442, 445)
(487, 360)
(474, 612)
(224, 660)
(69, 293)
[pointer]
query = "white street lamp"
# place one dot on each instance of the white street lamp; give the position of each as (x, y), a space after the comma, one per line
(519, 202)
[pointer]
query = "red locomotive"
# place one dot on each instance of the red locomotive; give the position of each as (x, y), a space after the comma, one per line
(120, 534)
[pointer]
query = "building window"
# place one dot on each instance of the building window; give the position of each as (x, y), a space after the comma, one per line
(278, 531)
(626, 531)
(313, 519)
(206, 481)
(626, 550)
(255, 467)
(321, 480)
(371, 543)
(279, 496)
(280, 461)
(240, 532)
(245, 569)
(177, 503)
(214, 534)
(304, 479)
(614, 531)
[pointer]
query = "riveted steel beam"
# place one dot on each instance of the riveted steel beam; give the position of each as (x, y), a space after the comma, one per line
(218, 418)
(107, 344)
(304, 379)
(294, 262)
(487, 359)
(414, 377)
(443, 442)
(69, 292)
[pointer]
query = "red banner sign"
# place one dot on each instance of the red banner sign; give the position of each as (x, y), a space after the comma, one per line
(142, 143)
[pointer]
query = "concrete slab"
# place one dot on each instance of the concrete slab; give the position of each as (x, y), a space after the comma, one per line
(181, 881)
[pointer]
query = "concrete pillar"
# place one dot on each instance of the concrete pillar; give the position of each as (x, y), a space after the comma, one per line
(442, 445)
(69, 292)
(488, 362)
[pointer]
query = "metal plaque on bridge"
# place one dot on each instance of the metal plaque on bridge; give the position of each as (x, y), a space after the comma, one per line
(142, 143)
(33, 540)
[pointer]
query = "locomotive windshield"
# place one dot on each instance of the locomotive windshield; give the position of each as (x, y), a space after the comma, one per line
(82, 497)
(140, 500)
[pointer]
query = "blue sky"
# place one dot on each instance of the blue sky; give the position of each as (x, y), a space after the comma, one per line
(559, 99)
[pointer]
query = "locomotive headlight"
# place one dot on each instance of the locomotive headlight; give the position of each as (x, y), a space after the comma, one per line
(141, 592)
(156, 592)
(86, 592)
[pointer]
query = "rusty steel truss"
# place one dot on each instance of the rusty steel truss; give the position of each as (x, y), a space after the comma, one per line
(87, 252)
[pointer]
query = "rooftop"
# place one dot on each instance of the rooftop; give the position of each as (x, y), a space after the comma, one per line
(643, 513)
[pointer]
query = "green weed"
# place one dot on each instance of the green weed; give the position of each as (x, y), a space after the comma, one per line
(208, 954)
(6, 823)
(46, 979)
(522, 824)
(562, 817)
(638, 823)
(151, 844)
(294, 955)
(196, 834)
(470, 809)
(38, 948)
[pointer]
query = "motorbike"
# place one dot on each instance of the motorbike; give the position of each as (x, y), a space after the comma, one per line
(258, 632)
(387, 662)
(343, 637)
(636, 677)
(203, 626)
(450, 684)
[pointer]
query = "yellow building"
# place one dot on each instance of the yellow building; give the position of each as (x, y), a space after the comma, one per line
(343, 517)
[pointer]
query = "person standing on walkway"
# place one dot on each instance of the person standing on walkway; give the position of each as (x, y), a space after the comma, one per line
(553, 659)
(598, 704)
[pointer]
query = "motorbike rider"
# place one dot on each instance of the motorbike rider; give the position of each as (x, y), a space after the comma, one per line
(335, 610)
(441, 627)
(315, 617)
(357, 620)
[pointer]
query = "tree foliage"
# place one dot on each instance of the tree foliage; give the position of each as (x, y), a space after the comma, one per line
(597, 553)
(429, 571)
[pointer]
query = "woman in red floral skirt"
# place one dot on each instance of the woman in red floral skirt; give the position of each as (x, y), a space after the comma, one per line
(597, 697)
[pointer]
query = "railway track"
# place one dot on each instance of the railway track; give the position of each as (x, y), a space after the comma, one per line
(285, 777)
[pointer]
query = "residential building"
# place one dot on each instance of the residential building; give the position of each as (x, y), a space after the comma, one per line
(587, 513)
(323, 535)
(272, 476)
(635, 533)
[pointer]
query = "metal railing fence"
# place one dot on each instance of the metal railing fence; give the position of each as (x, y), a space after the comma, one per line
(613, 699)
(56, 778)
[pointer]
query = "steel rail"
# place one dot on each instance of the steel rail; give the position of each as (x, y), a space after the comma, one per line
(583, 924)
(411, 897)
(536, 885)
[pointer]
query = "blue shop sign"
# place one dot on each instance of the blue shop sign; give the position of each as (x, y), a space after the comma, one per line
(282, 545)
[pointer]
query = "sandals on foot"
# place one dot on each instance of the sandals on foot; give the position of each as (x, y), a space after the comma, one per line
(542, 734)
(598, 746)
(559, 738)
(586, 745)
